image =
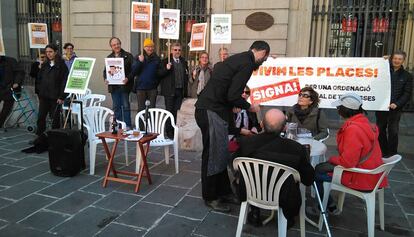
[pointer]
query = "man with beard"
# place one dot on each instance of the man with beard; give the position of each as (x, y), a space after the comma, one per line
(214, 114)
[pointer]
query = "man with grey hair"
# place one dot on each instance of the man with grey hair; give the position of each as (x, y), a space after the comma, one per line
(271, 147)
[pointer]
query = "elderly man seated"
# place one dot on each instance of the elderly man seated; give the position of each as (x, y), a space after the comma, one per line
(271, 147)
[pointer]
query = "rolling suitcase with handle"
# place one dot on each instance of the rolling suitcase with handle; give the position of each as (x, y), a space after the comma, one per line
(66, 150)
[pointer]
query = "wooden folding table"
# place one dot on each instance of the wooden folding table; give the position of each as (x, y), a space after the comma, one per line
(111, 154)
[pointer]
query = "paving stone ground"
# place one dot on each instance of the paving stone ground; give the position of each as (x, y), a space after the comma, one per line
(33, 202)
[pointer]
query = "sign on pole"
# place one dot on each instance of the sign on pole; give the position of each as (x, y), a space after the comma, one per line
(79, 75)
(278, 81)
(198, 37)
(2, 50)
(38, 36)
(169, 24)
(221, 28)
(141, 17)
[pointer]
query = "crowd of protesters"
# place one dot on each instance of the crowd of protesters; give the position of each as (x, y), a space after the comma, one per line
(228, 122)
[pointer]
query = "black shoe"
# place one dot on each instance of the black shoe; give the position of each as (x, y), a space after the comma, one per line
(216, 205)
(230, 198)
(253, 217)
(290, 223)
(31, 149)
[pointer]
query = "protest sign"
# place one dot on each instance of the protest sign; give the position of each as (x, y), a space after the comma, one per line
(278, 81)
(2, 50)
(141, 17)
(169, 24)
(115, 71)
(198, 37)
(38, 36)
(79, 75)
(221, 28)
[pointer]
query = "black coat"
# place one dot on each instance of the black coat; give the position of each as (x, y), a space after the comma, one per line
(11, 72)
(271, 147)
(401, 87)
(128, 60)
(168, 77)
(52, 80)
(226, 85)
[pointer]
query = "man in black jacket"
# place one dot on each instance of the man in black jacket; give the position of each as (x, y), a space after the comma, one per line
(213, 114)
(120, 93)
(174, 83)
(271, 147)
(388, 121)
(11, 77)
(51, 85)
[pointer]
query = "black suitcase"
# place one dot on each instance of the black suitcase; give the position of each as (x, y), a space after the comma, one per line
(66, 150)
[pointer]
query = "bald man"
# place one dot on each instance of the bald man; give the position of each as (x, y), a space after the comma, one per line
(271, 147)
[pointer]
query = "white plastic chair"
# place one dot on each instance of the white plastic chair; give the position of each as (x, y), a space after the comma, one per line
(368, 197)
(87, 101)
(157, 120)
(325, 138)
(263, 192)
(98, 119)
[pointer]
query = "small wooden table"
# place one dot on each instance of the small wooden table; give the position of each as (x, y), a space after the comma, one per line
(111, 154)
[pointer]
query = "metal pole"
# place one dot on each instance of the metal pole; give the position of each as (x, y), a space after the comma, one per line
(323, 211)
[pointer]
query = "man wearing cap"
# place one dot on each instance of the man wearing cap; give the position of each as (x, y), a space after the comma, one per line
(358, 147)
(401, 88)
(120, 93)
(145, 70)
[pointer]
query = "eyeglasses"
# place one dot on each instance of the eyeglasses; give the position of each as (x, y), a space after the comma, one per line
(304, 95)
(246, 92)
(177, 49)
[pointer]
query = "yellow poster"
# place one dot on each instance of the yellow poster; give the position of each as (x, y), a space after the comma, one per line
(198, 37)
(141, 17)
(2, 50)
(38, 36)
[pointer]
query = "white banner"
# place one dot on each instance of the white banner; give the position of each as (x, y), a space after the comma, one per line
(169, 24)
(221, 28)
(278, 81)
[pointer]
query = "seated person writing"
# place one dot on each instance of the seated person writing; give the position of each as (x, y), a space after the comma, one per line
(306, 113)
(271, 147)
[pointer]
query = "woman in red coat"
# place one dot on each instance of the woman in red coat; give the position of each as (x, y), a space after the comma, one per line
(358, 147)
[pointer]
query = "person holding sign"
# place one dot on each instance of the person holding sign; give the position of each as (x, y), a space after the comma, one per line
(11, 77)
(146, 70)
(51, 85)
(214, 111)
(174, 83)
(120, 93)
(306, 113)
(401, 88)
(200, 76)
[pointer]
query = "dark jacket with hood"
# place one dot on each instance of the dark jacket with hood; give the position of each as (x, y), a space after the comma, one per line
(128, 60)
(168, 77)
(271, 147)
(146, 72)
(52, 79)
(11, 72)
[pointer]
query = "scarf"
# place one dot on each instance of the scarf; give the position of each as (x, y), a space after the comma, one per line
(301, 114)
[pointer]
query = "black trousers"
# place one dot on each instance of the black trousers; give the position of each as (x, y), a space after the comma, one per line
(173, 104)
(388, 123)
(5, 111)
(47, 107)
(217, 185)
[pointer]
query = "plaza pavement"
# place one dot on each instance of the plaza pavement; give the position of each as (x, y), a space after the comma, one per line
(33, 202)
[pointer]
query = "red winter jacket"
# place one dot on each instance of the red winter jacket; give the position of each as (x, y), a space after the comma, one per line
(354, 141)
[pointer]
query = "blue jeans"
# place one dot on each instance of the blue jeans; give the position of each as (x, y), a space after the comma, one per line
(121, 106)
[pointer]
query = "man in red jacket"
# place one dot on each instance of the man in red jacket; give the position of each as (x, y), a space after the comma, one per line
(358, 147)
